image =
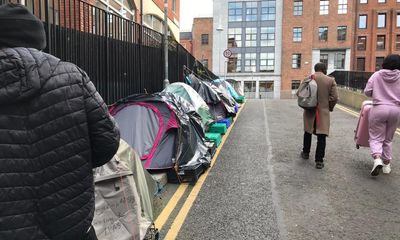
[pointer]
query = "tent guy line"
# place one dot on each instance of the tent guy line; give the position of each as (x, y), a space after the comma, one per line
(182, 214)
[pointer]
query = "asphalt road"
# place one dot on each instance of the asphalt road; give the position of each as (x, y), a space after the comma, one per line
(260, 188)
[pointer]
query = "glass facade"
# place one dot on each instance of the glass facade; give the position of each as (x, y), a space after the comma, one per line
(235, 10)
(251, 36)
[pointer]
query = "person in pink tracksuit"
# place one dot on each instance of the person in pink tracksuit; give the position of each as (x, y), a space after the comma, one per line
(384, 88)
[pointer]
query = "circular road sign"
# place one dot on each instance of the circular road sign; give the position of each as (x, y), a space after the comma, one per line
(227, 53)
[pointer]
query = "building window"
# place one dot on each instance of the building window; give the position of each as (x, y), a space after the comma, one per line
(204, 39)
(323, 33)
(295, 84)
(298, 7)
(297, 34)
(268, 10)
(174, 5)
(234, 37)
(381, 1)
(250, 62)
(251, 11)
(398, 20)
(362, 21)
(267, 37)
(381, 20)
(361, 64)
(397, 42)
(339, 60)
(341, 33)
(380, 42)
(296, 60)
(251, 37)
(364, 1)
(342, 7)
(323, 57)
(267, 62)
(362, 43)
(234, 12)
(323, 7)
(378, 63)
(265, 87)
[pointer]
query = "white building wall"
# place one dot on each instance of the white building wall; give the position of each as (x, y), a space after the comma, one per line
(220, 15)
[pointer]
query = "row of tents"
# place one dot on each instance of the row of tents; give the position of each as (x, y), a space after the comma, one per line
(159, 132)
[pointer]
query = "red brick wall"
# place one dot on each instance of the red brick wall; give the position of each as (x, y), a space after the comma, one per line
(171, 14)
(202, 26)
(391, 7)
(310, 21)
(188, 45)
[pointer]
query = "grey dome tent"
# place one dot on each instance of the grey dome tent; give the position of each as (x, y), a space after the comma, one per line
(165, 130)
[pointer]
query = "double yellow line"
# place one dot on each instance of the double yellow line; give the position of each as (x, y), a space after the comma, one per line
(173, 202)
(356, 114)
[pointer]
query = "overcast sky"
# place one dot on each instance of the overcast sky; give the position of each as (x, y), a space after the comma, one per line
(194, 8)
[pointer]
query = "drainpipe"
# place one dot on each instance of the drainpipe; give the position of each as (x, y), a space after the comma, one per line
(166, 81)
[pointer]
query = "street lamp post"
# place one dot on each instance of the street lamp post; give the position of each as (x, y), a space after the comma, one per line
(219, 29)
(166, 81)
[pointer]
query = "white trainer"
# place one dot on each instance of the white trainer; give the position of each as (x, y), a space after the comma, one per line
(386, 168)
(378, 164)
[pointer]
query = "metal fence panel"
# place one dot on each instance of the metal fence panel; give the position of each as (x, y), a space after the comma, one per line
(120, 56)
(351, 79)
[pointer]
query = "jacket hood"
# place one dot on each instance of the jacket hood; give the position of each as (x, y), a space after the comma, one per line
(23, 71)
(390, 75)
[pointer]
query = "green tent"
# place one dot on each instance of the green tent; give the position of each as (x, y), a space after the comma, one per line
(189, 94)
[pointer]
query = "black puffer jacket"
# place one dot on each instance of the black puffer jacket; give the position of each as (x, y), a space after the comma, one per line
(54, 128)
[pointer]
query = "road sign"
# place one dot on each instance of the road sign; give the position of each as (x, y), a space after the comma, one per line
(227, 53)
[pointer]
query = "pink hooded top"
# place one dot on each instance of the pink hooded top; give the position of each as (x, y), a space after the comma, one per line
(384, 87)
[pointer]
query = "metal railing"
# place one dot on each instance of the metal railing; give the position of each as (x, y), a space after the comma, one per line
(351, 79)
(120, 56)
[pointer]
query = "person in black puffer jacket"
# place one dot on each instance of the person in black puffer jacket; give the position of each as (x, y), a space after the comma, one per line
(54, 128)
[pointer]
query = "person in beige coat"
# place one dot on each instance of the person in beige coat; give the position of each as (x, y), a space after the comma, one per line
(318, 121)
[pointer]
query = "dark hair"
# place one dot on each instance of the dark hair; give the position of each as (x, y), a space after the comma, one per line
(320, 67)
(391, 62)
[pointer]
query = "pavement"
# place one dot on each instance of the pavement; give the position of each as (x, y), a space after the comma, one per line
(260, 188)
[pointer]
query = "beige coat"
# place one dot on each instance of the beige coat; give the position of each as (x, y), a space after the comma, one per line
(327, 98)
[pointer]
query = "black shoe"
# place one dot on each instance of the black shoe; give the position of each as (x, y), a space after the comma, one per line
(304, 155)
(319, 165)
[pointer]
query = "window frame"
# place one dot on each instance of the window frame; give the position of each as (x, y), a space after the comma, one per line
(205, 39)
(297, 35)
(298, 8)
(384, 20)
(342, 7)
(320, 34)
(359, 22)
(296, 60)
(361, 43)
(323, 7)
(266, 56)
(383, 46)
(338, 33)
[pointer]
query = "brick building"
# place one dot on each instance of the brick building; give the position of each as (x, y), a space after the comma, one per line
(202, 39)
(315, 31)
(377, 33)
(186, 41)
